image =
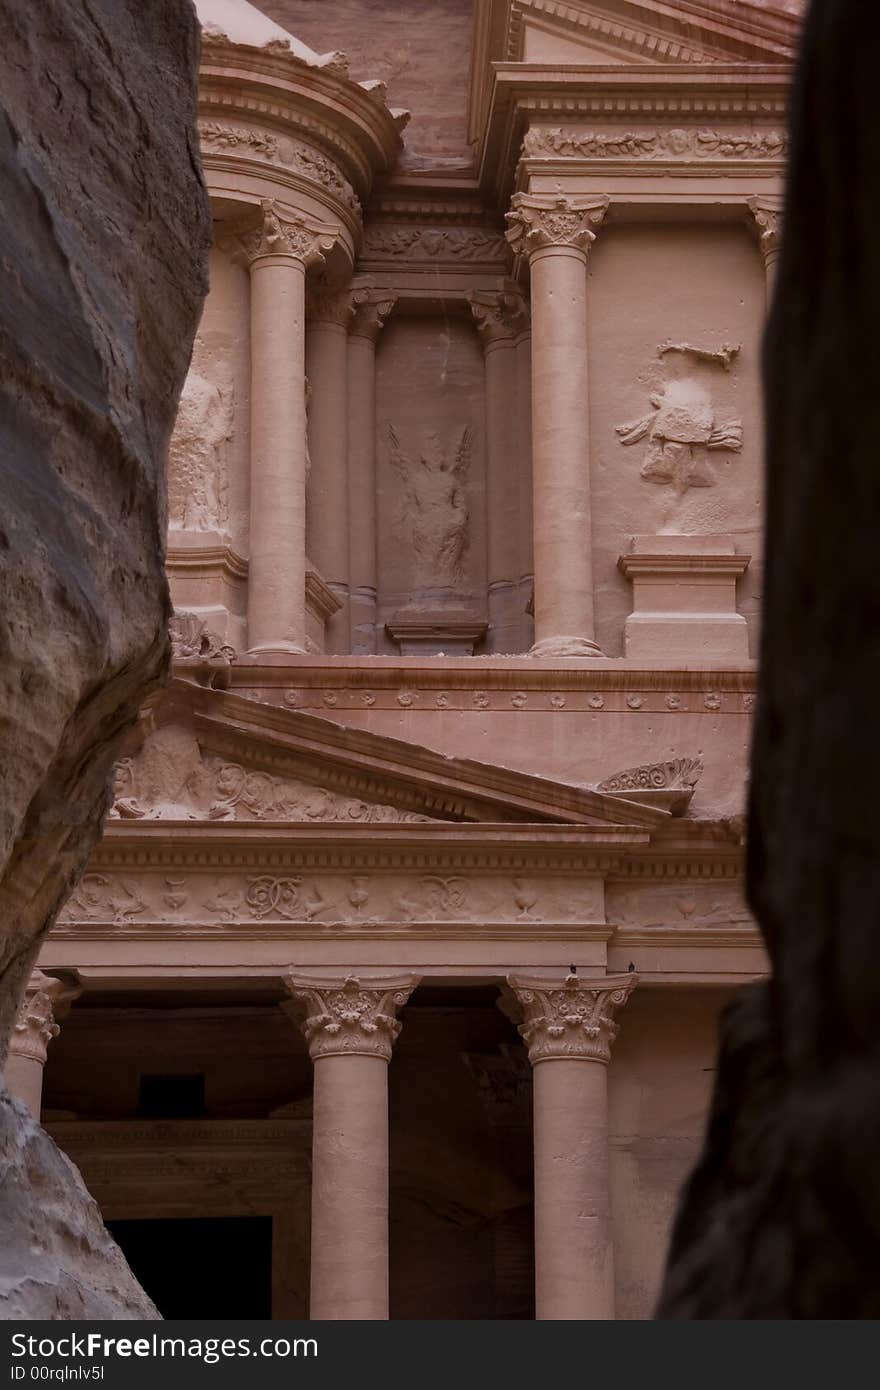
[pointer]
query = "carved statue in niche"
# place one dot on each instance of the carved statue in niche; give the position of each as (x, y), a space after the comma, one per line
(198, 471)
(681, 425)
(433, 510)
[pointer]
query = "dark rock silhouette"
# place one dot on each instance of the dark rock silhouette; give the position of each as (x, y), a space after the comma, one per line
(781, 1218)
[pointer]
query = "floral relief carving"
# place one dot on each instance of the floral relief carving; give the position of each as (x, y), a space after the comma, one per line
(678, 143)
(290, 898)
(99, 898)
(432, 243)
(435, 897)
(681, 425)
(677, 773)
(35, 1024)
(291, 154)
(351, 1016)
(575, 1019)
(433, 513)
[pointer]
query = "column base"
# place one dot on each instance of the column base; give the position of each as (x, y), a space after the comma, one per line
(566, 646)
(279, 649)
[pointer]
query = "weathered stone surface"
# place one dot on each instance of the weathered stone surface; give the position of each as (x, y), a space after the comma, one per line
(104, 226)
(57, 1261)
(782, 1216)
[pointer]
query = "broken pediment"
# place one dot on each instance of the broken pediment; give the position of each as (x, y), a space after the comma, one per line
(207, 754)
(599, 32)
(174, 778)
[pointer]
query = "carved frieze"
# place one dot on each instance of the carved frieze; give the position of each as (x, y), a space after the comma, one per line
(680, 143)
(419, 243)
(173, 779)
(433, 514)
(282, 150)
(682, 426)
(281, 900)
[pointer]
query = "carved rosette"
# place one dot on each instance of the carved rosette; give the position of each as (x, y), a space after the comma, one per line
(35, 1026)
(283, 233)
(351, 1017)
(573, 1020)
(499, 317)
(541, 221)
(370, 310)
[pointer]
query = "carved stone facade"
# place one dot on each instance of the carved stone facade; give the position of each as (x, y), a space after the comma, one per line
(462, 684)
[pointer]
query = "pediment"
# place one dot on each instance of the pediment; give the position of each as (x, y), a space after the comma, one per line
(209, 755)
(598, 32)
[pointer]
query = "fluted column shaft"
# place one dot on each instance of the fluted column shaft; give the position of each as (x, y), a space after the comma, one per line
(35, 1026)
(350, 1025)
(371, 309)
(327, 490)
(556, 234)
(499, 319)
(279, 252)
(568, 1027)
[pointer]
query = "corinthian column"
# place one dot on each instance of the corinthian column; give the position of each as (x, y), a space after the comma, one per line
(768, 217)
(45, 999)
(371, 308)
(279, 252)
(569, 1027)
(556, 234)
(500, 319)
(350, 1025)
(330, 312)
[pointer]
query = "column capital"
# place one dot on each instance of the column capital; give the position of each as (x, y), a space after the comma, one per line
(349, 1014)
(290, 234)
(541, 221)
(767, 212)
(370, 310)
(45, 999)
(499, 317)
(326, 303)
(569, 1019)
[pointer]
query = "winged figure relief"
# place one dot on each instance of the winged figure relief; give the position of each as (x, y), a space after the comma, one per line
(432, 511)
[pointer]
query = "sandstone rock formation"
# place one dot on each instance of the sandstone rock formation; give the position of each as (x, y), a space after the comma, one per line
(105, 227)
(782, 1216)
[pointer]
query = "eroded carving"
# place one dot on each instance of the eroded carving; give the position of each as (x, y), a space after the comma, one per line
(433, 513)
(432, 243)
(193, 642)
(172, 779)
(198, 469)
(682, 426)
(678, 143)
(36, 1022)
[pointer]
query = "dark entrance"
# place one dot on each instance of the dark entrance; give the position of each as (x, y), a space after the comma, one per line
(202, 1267)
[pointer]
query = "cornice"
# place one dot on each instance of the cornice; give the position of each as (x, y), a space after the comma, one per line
(353, 119)
(378, 767)
(205, 559)
(665, 98)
